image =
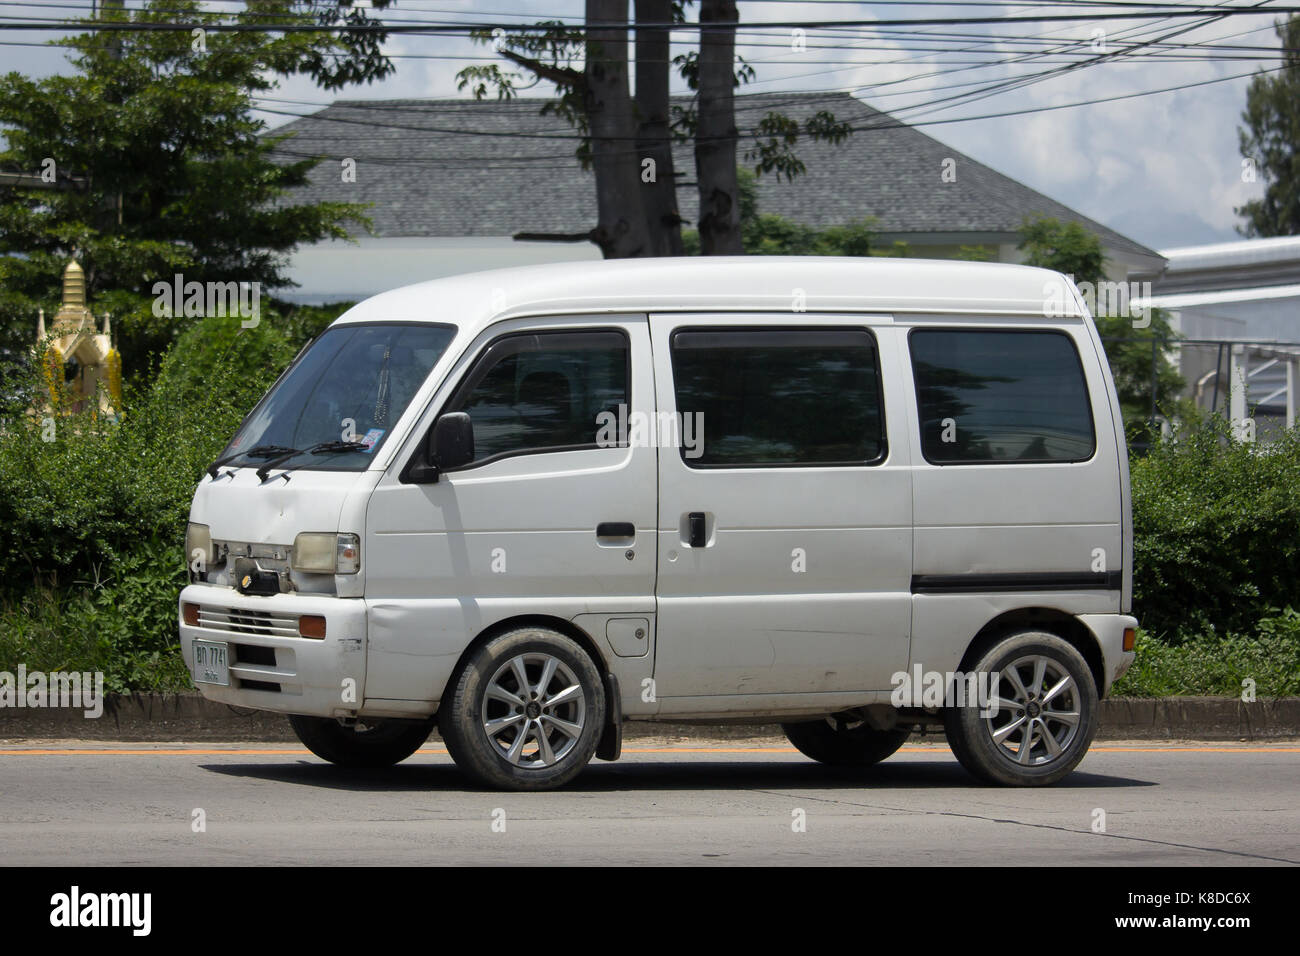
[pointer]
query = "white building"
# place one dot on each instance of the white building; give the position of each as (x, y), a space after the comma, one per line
(1237, 305)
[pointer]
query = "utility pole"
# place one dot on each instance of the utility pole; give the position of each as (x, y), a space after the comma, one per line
(114, 51)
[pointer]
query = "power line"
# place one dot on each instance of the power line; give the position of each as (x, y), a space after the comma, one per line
(1002, 86)
(445, 28)
(528, 162)
(895, 124)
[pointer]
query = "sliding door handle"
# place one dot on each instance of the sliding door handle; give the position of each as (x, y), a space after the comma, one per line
(697, 532)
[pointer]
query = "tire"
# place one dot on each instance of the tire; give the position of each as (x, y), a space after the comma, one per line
(844, 741)
(376, 743)
(510, 741)
(1045, 719)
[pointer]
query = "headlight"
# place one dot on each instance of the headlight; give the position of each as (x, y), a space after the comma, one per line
(198, 547)
(326, 553)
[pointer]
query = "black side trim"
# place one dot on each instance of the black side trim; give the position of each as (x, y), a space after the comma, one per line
(1017, 581)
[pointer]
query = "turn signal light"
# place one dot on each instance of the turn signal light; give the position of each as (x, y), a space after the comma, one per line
(190, 614)
(1130, 638)
(311, 625)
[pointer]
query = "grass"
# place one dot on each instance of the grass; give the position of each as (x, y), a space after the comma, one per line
(1215, 665)
(64, 629)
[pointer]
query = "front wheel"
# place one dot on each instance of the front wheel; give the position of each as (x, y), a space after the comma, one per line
(525, 711)
(843, 740)
(373, 743)
(1040, 720)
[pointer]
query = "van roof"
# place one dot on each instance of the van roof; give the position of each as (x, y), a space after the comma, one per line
(728, 284)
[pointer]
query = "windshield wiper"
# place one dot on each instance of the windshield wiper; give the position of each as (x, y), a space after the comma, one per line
(257, 451)
(323, 448)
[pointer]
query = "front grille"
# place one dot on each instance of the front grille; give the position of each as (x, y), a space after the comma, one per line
(272, 669)
(240, 621)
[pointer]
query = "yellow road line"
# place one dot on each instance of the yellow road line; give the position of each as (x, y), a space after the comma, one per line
(302, 752)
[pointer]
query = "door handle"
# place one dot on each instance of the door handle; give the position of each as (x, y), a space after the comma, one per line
(616, 529)
(697, 538)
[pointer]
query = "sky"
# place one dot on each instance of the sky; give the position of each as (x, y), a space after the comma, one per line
(1164, 169)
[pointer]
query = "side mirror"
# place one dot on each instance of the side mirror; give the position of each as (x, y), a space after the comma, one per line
(449, 444)
(452, 444)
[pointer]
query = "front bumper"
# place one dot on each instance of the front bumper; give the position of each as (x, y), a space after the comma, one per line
(271, 667)
(1109, 631)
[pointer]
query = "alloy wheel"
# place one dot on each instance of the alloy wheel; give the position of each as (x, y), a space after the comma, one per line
(533, 710)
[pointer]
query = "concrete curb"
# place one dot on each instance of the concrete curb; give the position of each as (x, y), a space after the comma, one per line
(159, 717)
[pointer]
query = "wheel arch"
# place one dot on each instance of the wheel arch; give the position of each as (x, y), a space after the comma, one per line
(559, 624)
(1052, 620)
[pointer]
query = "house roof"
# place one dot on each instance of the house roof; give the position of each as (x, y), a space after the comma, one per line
(496, 168)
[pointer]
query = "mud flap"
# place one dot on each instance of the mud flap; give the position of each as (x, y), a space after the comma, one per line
(611, 740)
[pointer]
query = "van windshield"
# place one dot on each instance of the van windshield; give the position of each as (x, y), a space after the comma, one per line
(345, 392)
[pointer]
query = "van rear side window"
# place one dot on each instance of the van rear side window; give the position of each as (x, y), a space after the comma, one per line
(1000, 396)
(775, 397)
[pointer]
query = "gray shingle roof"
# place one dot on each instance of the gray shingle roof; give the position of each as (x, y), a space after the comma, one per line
(494, 168)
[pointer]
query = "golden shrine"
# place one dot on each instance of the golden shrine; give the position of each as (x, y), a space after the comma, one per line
(78, 357)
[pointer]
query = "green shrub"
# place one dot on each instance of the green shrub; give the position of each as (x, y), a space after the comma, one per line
(96, 516)
(1216, 531)
(81, 505)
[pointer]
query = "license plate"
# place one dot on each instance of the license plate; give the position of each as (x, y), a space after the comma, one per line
(211, 665)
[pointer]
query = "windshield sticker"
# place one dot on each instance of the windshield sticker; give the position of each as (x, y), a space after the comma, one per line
(372, 438)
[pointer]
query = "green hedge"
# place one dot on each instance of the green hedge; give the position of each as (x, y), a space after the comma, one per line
(1216, 530)
(96, 517)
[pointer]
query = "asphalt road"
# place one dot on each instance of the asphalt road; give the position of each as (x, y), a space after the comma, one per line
(698, 802)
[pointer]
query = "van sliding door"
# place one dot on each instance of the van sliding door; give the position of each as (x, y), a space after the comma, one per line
(784, 514)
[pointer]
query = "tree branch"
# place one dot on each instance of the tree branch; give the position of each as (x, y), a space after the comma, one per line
(559, 75)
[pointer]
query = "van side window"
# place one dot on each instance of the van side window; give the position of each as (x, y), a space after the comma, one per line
(1000, 396)
(774, 397)
(543, 391)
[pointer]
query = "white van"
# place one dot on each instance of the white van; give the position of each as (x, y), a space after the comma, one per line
(525, 506)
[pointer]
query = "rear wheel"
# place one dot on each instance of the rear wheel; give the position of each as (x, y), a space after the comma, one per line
(370, 743)
(525, 712)
(1045, 715)
(844, 740)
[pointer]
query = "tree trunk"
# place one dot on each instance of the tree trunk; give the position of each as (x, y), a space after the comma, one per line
(659, 185)
(715, 134)
(620, 231)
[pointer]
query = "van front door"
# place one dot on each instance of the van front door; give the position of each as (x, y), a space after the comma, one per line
(785, 513)
(555, 515)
